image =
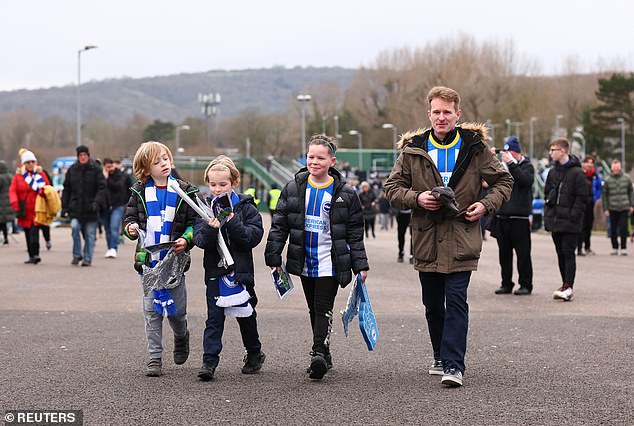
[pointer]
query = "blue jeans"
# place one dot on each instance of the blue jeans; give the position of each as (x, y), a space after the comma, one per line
(447, 313)
(215, 324)
(88, 230)
(111, 220)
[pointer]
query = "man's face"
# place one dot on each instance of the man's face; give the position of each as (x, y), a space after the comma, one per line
(616, 168)
(557, 153)
(83, 158)
(109, 168)
(443, 116)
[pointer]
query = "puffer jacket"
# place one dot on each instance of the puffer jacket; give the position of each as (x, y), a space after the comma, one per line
(617, 192)
(136, 212)
(243, 233)
(23, 197)
(84, 194)
(454, 244)
(521, 202)
(346, 229)
(6, 211)
(565, 192)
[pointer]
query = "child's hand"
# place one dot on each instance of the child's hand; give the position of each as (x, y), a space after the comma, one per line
(364, 276)
(131, 228)
(230, 216)
(213, 222)
(180, 246)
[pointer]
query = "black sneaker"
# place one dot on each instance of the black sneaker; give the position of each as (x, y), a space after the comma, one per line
(436, 368)
(253, 363)
(206, 372)
(522, 291)
(400, 258)
(85, 263)
(154, 367)
(181, 349)
(504, 290)
(318, 366)
(328, 358)
(76, 260)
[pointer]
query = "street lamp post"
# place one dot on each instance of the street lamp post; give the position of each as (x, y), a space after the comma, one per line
(492, 126)
(360, 148)
(79, 90)
(337, 135)
(395, 136)
(303, 99)
(508, 127)
(178, 138)
(532, 137)
(557, 118)
(622, 121)
(209, 106)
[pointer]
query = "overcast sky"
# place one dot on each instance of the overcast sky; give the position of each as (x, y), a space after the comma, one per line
(39, 39)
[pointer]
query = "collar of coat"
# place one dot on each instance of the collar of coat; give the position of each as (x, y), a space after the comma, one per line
(473, 136)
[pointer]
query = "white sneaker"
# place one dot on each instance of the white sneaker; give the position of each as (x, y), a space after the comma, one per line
(614, 252)
(624, 252)
(111, 254)
(452, 378)
(564, 294)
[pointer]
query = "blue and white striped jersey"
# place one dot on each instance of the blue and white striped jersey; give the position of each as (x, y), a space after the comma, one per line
(318, 240)
(444, 156)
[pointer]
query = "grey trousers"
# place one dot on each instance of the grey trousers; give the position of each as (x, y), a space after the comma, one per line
(154, 321)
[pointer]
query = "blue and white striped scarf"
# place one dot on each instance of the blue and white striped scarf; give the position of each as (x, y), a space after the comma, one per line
(34, 180)
(160, 218)
(234, 297)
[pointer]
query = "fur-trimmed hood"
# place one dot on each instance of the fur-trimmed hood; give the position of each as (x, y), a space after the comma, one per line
(479, 128)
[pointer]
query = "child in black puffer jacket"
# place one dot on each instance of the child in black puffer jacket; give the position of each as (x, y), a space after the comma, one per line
(230, 290)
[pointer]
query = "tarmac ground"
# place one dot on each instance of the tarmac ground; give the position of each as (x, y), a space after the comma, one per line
(72, 338)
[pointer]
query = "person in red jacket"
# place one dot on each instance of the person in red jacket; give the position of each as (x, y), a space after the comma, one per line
(28, 182)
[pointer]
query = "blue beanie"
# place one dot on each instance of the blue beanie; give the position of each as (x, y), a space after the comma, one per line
(512, 144)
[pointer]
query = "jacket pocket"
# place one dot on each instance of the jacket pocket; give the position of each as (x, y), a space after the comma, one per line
(424, 239)
(468, 240)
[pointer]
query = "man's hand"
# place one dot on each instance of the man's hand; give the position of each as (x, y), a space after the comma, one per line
(607, 213)
(214, 223)
(428, 201)
(475, 211)
(506, 157)
(364, 275)
(180, 245)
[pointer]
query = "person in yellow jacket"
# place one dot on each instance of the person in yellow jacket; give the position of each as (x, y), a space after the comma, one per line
(274, 196)
(251, 192)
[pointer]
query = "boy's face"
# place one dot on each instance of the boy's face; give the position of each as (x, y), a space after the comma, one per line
(219, 182)
(319, 159)
(161, 167)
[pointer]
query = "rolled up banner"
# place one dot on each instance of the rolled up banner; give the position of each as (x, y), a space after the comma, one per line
(227, 259)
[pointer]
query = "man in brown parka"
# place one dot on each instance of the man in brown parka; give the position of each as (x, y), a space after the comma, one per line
(447, 246)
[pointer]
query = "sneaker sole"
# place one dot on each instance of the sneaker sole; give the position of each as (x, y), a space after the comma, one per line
(153, 373)
(318, 369)
(436, 372)
(451, 382)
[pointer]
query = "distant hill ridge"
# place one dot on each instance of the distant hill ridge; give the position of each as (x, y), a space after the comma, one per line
(175, 97)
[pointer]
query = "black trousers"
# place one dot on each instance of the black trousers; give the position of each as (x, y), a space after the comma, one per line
(3, 228)
(565, 243)
(215, 325)
(515, 234)
(586, 231)
(402, 222)
(618, 226)
(320, 296)
(32, 236)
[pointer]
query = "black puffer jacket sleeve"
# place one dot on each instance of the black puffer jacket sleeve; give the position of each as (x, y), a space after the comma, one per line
(245, 233)
(205, 236)
(279, 231)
